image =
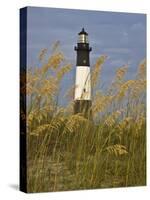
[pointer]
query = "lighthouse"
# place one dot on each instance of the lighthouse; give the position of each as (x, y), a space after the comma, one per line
(82, 96)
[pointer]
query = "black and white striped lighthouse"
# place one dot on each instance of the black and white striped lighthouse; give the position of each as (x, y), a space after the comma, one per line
(82, 96)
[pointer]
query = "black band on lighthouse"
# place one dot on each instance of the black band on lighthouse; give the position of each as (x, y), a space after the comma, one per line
(83, 50)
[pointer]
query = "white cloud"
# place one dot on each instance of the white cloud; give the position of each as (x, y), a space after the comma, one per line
(118, 62)
(137, 26)
(125, 34)
(117, 50)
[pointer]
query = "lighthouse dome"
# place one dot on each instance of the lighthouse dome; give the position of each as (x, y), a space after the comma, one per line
(83, 32)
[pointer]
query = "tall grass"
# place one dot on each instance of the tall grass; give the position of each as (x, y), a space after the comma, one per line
(67, 151)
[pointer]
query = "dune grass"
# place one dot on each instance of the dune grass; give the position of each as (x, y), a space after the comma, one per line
(68, 151)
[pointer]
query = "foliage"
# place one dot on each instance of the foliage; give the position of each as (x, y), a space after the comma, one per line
(67, 151)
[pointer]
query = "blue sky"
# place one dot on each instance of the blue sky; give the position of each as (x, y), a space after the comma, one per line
(120, 36)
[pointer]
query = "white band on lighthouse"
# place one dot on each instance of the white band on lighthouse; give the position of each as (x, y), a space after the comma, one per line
(83, 83)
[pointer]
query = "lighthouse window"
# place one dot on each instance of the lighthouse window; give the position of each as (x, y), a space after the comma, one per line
(84, 90)
(84, 61)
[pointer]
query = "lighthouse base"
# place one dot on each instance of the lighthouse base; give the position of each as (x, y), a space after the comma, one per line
(84, 107)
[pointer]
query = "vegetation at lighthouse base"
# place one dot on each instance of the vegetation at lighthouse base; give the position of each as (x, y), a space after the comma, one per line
(67, 151)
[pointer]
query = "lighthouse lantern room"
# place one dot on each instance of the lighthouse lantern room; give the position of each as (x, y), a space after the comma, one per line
(82, 95)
